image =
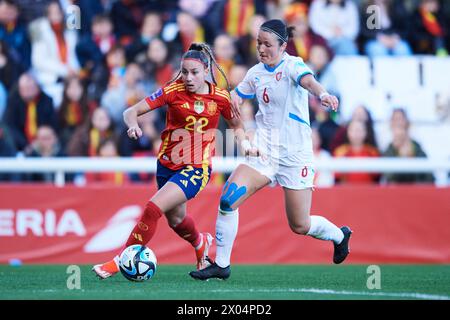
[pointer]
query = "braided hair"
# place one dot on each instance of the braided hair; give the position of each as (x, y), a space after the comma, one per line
(203, 53)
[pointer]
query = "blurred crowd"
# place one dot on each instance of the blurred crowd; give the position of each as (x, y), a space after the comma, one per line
(66, 79)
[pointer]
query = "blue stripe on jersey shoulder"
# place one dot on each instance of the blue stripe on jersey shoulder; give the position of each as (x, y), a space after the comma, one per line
(272, 69)
(243, 95)
(299, 78)
(297, 118)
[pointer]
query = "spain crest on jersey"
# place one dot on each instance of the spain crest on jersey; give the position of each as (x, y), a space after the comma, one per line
(199, 106)
(211, 108)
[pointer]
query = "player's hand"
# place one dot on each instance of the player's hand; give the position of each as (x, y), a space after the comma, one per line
(236, 102)
(330, 101)
(134, 132)
(253, 152)
(248, 150)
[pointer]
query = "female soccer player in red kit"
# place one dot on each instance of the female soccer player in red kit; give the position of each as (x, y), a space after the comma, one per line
(184, 158)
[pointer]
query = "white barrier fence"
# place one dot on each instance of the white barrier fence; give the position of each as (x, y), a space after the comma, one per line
(60, 166)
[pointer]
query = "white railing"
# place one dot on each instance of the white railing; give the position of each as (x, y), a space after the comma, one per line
(60, 166)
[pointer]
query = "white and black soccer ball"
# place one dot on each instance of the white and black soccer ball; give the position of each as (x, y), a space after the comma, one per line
(137, 263)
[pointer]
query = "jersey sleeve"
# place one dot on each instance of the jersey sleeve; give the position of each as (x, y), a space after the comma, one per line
(246, 89)
(225, 106)
(299, 69)
(160, 97)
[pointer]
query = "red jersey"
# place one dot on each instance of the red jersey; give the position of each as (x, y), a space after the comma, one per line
(346, 150)
(191, 122)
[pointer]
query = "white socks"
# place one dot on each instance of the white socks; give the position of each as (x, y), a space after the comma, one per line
(226, 231)
(323, 229)
(227, 227)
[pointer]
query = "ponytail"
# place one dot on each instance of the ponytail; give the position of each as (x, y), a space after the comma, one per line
(212, 60)
(203, 53)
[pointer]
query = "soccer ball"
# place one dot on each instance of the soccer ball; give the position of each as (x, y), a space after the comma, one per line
(137, 263)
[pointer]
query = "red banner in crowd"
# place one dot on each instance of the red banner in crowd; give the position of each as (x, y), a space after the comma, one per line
(45, 224)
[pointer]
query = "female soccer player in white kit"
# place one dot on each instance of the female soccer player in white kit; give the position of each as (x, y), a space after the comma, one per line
(280, 83)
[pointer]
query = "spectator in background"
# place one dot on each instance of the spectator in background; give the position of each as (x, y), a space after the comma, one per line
(158, 70)
(7, 149)
(86, 139)
(28, 108)
(157, 64)
(108, 75)
(209, 13)
(226, 56)
(45, 145)
(127, 17)
(145, 146)
(321, 179)
(128, 92)
(388, 37)
(429, 28)
(236, 75)
(53, 54)
(74, 110)
(319, 61)
(361, 113)
(92, 48)
(236, 17)
(304, 39)
(404, 146)
(338, 22)
(399, 118)
(247, 43)
(116, 66)
(107, 148)
(89, 9)
(189, 31)
(327, 126)
(151, 29)
(14, 33)
(9, 68)
(31, 9)
(356, 145)
(3, 99)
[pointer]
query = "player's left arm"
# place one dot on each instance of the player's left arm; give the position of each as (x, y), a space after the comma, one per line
(314, 87)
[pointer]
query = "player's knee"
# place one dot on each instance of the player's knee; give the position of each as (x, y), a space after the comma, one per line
(225, 205)
(232, 195)
(299, 227)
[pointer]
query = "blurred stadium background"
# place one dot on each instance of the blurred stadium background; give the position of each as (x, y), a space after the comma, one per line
(72, 184)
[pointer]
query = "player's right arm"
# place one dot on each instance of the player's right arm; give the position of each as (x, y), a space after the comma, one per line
(130, 117)
(157, 99)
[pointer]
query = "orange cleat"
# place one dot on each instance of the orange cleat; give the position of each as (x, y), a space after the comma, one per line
(107, 269)
(202, 252)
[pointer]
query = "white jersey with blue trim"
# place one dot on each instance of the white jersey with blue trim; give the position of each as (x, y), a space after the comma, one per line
(282, 121)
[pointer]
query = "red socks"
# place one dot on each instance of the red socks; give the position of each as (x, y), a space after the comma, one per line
(186, 230)
(146, 227)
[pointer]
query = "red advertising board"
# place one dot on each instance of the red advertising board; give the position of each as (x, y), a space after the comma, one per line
(46, 224)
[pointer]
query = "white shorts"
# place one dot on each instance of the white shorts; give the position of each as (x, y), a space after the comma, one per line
(297, 178)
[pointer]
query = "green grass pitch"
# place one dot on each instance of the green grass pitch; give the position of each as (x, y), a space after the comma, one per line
(270, 282)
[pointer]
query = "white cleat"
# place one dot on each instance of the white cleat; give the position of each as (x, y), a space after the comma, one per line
(202, 252)
(107, 269)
